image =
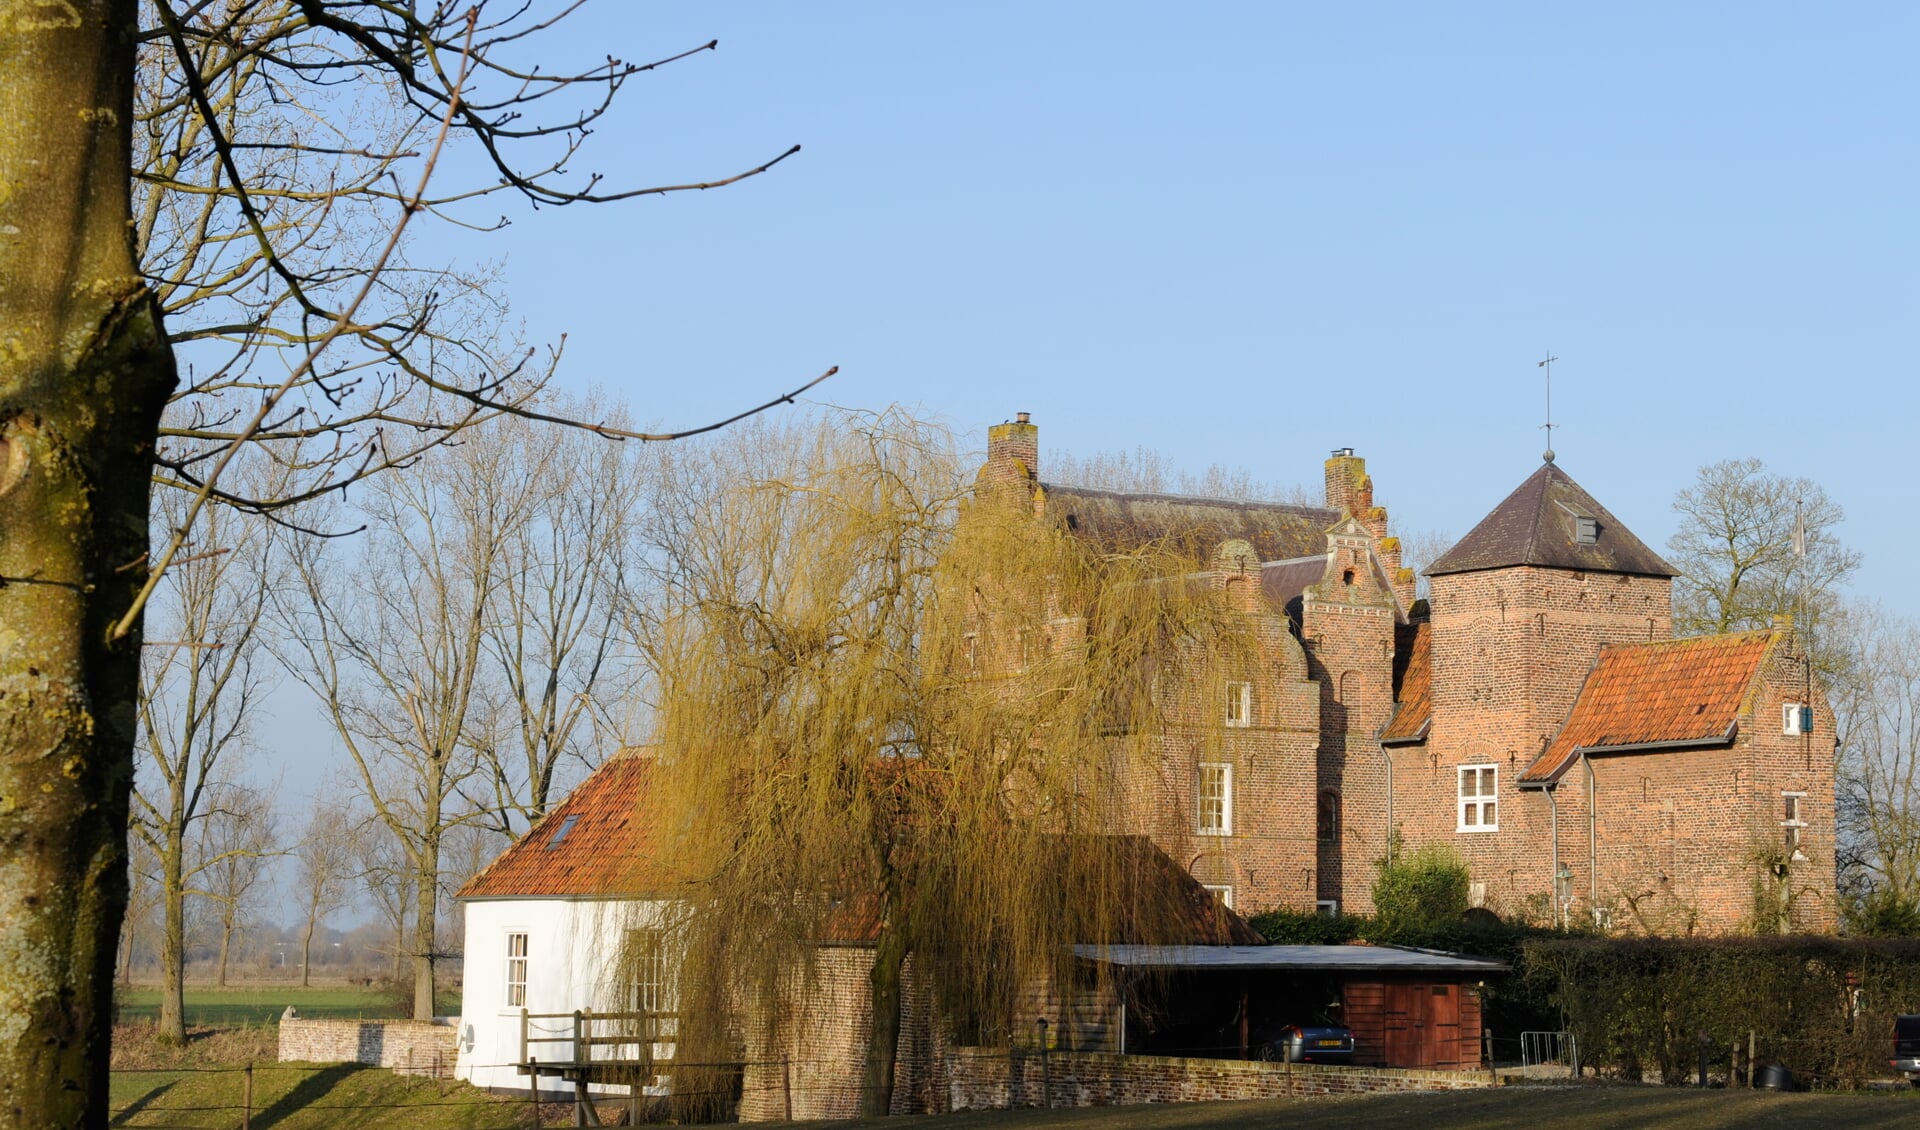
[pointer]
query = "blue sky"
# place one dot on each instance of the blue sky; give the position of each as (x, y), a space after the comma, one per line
(1250, 233)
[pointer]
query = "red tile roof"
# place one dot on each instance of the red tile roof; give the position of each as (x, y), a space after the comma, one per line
(1413, 698)
(1667, 692)
(594, 844)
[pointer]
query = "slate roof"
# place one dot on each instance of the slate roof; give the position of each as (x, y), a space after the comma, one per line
(1118, 523)
(1283, 582)
(1668, 692)
(1200, 918)
(1413, 692)
(594, 844)
(1536, 526)
(1350, 959)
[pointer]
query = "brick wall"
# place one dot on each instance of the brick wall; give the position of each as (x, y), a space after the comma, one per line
(995, 1079)
(409, 1047)
(806, 1059)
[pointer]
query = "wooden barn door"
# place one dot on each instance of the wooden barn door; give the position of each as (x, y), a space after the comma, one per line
(1443, 1019)
(1407, 1016)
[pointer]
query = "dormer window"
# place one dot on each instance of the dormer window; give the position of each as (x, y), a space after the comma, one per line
(1586, 531)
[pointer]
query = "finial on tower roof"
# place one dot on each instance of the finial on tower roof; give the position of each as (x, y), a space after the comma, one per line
(1548, 366)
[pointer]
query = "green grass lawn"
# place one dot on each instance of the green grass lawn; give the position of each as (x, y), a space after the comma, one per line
(307, 1097)
(222, 1008)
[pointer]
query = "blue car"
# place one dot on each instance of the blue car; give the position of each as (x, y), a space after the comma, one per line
(1310, 1043)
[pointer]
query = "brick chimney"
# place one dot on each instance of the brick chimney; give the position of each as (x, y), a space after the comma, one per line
(1019, 441)
(1349, 490)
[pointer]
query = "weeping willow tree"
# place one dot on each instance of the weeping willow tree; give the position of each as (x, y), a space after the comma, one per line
(897, 711)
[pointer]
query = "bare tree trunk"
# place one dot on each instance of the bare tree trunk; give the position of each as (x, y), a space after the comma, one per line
(226, 947)
(83, 377)
(426, 907)
(306, 952)
(883, 1048)
(173, 951)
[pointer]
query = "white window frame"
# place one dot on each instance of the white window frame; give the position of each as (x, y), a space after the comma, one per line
(1480, 803)
(1328, 907)
(650, 973)
(1792, 719)
(1239, 705)
(1221, 891)
(1202, 812)
(521, 963)
(1794, 824)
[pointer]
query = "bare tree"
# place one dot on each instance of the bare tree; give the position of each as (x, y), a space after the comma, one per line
(1878, 710)
(391, 882)
(394, 643)
(1740, 558)
(199, 686)
(224, 97)
(553, 629)
(234, 852)
(1146, 471)
(324, 866)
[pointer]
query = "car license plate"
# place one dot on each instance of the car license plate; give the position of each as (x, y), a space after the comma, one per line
(1326, 1043)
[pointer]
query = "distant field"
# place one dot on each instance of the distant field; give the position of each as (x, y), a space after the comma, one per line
(260, 1005)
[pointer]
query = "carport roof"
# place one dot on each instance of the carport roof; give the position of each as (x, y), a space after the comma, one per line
(1353, 959)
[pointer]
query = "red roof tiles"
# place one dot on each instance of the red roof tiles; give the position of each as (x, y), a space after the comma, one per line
(594, 844)
(1667, 692)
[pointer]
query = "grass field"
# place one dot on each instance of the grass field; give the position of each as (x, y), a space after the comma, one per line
(306, 1097)
(220, 1008)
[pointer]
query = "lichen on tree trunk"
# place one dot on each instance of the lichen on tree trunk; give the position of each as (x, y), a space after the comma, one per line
(84, 373)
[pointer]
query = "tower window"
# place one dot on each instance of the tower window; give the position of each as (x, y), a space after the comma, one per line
(1216, 799)
(1327, 815)
(1239, 704)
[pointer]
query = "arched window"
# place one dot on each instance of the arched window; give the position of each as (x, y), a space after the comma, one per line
(1327, 815)
(1345, 689)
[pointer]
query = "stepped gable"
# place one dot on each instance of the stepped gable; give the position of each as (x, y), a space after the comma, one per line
(1551, 521)
(1667, 693)
(1413, 687)
(594, 844)
(1116, 522)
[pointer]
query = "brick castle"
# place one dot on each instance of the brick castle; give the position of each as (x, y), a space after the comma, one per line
(1534, 713)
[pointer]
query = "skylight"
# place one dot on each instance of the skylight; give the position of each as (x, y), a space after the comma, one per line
(565, 827)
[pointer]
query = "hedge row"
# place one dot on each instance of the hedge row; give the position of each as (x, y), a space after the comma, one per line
(1823, 1007)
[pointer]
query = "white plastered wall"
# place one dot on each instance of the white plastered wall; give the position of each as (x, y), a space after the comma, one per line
(572, 947)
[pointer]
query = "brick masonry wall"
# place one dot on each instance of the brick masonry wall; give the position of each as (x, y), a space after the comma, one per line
(810, 1058)
(408, 1047)
(1511, 648)
(995, 1079)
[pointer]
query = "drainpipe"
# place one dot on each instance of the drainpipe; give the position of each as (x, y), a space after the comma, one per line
(1553, 810)
(1593, 839)
(1388, 754)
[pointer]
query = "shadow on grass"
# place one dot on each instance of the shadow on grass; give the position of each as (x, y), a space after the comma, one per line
(308, 1090)
(140, 1104)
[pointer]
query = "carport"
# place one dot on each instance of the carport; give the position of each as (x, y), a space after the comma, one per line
(1406, 1007)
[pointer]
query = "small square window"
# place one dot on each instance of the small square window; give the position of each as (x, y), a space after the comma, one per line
(1479, 803)
(1328, 907)
(1586, 531)
(1796, 719)
(1223, 893)
(1239, 704)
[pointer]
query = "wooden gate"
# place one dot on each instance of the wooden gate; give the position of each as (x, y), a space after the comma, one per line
(1422, 1025)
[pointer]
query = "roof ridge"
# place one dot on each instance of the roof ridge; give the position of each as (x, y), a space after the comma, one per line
(1743, 635)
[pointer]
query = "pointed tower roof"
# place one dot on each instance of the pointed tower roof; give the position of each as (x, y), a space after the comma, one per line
(1549, 520)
